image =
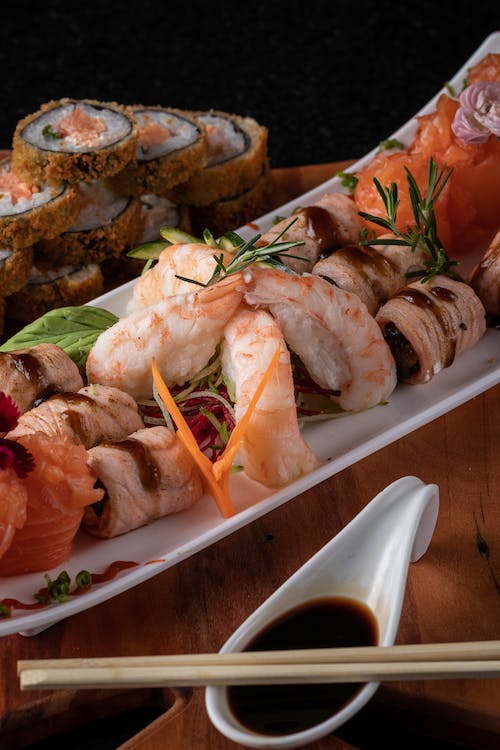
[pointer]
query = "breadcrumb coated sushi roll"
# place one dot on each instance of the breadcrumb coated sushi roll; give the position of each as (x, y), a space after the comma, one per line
(237, 153)
(30, 211)
(48, 288)
(106, 225)
(230, 213)
(74, 140)
(15, 266)
(171, 147)
(2, 315)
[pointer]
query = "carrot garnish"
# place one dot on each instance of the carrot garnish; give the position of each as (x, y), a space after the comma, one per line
(215, 475)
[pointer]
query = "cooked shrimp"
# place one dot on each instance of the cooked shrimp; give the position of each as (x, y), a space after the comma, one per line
(273, 450)
(330, 223)
(332, 332)
(181, 332)
(193, 261)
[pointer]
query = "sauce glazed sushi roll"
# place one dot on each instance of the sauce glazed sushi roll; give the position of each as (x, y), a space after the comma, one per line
(74, 140)
(30, 210)
(485, 279)
(237, 155)
(48, 288)
(106, 225)
(427, 324)
(171, 147)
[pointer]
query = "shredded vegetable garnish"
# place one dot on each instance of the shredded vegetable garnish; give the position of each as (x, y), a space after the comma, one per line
(215, 475)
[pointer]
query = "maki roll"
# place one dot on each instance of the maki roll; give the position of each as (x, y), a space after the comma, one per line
(147, 476)
(237, 154)
(427, 324)
(74, 140)
(106, 225)
(485, 278)
(2, 315)
(15, 267)
(48, 288)
(171, 147)
(30, 211)
(230, 213)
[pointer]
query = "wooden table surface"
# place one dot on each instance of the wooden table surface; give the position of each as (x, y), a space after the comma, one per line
(452, 593)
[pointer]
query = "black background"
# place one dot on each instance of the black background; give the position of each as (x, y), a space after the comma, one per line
(330, 79)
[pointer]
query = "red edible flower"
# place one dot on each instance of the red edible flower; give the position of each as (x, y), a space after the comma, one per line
(16, 455)
(9, 413)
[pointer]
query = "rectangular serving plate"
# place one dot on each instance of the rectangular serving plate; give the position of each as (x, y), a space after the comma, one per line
(339, 443)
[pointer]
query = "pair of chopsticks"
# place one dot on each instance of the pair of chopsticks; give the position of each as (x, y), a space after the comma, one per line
(365, 664)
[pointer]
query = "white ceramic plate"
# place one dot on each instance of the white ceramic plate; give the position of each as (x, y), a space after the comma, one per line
(339, 442)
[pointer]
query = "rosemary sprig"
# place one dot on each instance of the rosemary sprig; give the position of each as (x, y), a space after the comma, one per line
(246, 253)
(423, 233)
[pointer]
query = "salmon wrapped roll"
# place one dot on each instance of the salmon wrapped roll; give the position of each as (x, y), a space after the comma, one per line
(74, 141)
(485, 279)
(171, 147)
(428, 324)
(31, 209)
(49, 287)
(107, 225)
(27, 375)
(89, 416)
(332, 222)
(374, 273)
(237, 154)
(147, 476)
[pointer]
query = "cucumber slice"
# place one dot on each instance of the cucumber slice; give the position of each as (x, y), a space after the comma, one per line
(148, 251)
(175, 235)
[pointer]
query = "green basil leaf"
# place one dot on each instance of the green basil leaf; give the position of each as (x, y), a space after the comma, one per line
(74, 329)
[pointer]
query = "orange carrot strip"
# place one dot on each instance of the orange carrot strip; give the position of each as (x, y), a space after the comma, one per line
(223, 463)
(219, 493)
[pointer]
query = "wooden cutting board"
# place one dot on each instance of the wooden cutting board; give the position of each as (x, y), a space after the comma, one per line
(453, 593)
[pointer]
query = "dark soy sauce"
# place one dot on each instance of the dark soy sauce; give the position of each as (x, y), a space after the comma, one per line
(286, 709)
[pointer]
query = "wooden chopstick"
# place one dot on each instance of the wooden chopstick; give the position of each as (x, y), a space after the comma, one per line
(409, 662)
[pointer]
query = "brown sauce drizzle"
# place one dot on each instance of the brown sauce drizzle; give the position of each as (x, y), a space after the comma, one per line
(322, 227)
(146, 466)
(29, 366)
(407, 364)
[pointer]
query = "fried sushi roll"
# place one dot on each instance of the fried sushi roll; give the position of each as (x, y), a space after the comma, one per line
(15, 267)
(428, 324)
(74, 140)
(485, 279)
(48, 288)
(2, 315)
(237, 154)
(230, 213)
(28, 375)
(148, 475)
(171, 147)
(89, 416)
(374, 273)
(31, 210)
(107, 225)
(331, 223)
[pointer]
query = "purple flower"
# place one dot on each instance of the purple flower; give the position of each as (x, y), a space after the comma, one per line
(478, 116)
(16, 455)
(9, 413)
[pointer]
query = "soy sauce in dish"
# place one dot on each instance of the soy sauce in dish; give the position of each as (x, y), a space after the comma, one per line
(320, 623)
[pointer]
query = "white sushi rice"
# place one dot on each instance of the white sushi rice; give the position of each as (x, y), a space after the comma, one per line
(100, 207)
(179, 133)
(156, 212)
(10, 206)
(225, 141)
(46, 275)
(5, 255)
(117, 127)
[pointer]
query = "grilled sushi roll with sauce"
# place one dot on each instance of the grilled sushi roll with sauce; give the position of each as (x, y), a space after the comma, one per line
(428, 324)
(30, 210)
(374, 273)
(235, 211)
(15, 267)
(146, 476)
(27, 375)
(89, 416)
(237, 154)
(485, 278)
(331, 223)
(171, 147)
(106, 225)
(74, 140)
(48, 288)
